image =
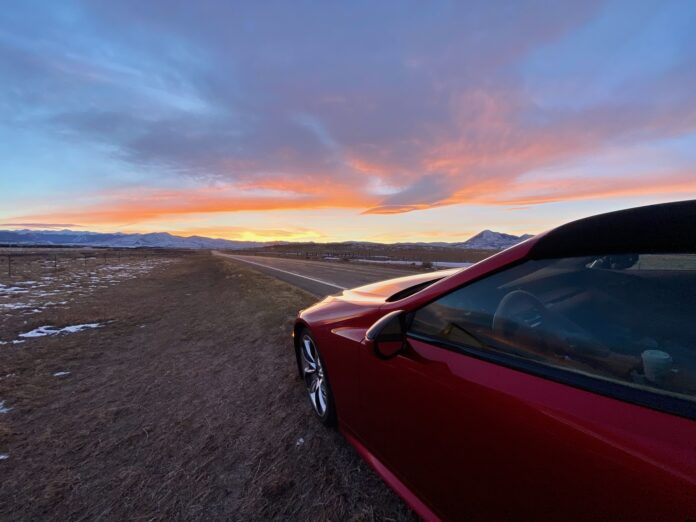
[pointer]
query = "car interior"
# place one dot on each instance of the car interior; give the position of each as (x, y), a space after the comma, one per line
(624, 318)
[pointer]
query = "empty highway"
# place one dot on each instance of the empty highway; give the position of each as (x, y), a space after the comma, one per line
(320, 278)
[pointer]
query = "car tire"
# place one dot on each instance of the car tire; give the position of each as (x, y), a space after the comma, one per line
(315, 379)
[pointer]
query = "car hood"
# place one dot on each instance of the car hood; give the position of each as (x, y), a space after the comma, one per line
(383, 290)
(344, 307)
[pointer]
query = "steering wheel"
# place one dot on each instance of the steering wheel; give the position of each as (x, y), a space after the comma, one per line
(522, 317)
(518, 309)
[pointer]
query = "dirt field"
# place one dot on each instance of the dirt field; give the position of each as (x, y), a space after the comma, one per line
(181, 403)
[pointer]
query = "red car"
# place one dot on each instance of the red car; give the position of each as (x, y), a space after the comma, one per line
(555, 380)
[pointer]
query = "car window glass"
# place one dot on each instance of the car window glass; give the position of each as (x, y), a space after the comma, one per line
(627, 319)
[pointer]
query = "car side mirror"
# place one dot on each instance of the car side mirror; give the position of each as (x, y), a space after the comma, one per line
(388, 335)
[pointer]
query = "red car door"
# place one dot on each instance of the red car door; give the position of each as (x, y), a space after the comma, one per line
(480, 434)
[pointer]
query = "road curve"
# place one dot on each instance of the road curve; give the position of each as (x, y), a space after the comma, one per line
(320, 278)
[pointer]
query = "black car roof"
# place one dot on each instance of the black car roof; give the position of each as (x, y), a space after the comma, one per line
(663, 228)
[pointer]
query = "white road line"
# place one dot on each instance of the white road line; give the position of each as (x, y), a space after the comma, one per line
(285, 271)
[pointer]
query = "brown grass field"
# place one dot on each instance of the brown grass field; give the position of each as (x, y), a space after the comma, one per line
(183, 404)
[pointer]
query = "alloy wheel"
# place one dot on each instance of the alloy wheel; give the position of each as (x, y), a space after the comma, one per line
(313, 375)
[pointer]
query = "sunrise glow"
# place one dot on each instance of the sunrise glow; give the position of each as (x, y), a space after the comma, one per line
(319, 124)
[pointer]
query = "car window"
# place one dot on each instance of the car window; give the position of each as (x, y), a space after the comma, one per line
(624, 319)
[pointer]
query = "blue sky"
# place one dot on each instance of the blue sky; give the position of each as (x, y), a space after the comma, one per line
(386, 121)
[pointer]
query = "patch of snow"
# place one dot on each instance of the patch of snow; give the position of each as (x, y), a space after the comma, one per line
(388, 261)
(61, 374)
(13, 290)
(299, 442)
(3, 408)
(45, 294)
(4, 456)
(43, 331)
(17, 342)
(437, 264)
(80, 327)
(451, 264)
(14, 306)
(40, 332)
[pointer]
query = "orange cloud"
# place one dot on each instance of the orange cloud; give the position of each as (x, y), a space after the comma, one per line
(122, 207)
(394, 209)
(551, 191)
(369, 167)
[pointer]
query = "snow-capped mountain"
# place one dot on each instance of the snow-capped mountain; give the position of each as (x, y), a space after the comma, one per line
(117, 240)
(490, 240)
(486, 240)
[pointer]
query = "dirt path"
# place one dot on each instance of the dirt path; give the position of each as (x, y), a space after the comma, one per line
(185, 405)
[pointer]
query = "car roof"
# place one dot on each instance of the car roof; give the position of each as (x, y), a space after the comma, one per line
(663, 228)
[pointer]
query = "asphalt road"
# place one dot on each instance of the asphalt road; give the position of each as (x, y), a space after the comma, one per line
(320, 278)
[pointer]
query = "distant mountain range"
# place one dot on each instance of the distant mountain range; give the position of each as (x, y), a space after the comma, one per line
(118, 240)
(486, 240)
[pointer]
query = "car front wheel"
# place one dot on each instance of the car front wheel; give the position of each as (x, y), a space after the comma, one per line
(315, 379)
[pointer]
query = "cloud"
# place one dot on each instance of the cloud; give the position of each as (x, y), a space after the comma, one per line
(41, 225)
(126, 207)
(384, 108)
(423, 193)
(550, 191)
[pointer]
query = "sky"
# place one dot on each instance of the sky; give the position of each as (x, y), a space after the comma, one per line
(332, 121)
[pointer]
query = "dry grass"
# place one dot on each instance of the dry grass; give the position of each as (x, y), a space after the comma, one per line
(185, 405)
